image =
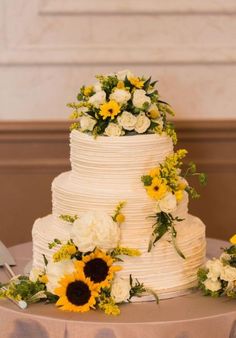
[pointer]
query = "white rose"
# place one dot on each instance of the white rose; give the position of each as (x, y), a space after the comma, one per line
(215, 268)
(139, 98)
(228, 273)
(142, 124)
(87, 123)
(212, 285)
(127, 120)
(97, 99)
(120, 290)
(113, 129)
(168, 203)
(121, 75)
(56, 270)
(120, 95)
(95, 229)
(97, 87)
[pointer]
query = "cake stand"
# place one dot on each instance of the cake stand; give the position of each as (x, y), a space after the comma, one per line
(189, 316)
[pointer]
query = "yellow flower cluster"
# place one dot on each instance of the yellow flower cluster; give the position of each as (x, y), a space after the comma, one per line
(65, 252)
(165, 178)
(109, 307)
(126, 251)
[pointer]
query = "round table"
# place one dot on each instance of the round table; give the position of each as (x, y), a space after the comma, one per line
(189, 316)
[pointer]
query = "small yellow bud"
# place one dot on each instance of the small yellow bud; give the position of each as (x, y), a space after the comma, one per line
(233, 239)
(120, 85)
(43, 279)
(179, 195)
(88, 90)
(153, 114)
(120, 218)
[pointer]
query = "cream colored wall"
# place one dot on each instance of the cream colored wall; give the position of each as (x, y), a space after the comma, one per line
(49, 48)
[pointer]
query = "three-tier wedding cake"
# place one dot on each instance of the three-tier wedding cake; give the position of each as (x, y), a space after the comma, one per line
(125, 190)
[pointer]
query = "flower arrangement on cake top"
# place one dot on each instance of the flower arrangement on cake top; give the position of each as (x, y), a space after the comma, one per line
(121, 104)
(218, 276)
(82, 273)
(165, 185)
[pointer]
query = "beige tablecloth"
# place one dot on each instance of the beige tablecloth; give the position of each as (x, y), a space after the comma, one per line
(190, 316)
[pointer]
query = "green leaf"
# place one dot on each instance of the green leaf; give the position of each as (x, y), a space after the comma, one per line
(147, 180)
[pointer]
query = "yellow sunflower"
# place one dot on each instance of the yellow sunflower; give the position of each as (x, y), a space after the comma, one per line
(233, 240)
(157, 189)
(109, 109)
(98, 267)
(76, 293)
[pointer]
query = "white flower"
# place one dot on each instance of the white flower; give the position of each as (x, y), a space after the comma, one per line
(56, 270)
(121, 96)
(82, 110)
(215, 268)
(97, 87)
(168, 203)
(34, 274)
(113, 129)
(97, 99)
(95, 229)
(228, 273)
(127, 120)
(212, 285)
(120, 290)
(139, 98)
(87, 123)
(121, 75)
(142, 124)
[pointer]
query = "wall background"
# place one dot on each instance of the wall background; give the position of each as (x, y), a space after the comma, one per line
(49, 48)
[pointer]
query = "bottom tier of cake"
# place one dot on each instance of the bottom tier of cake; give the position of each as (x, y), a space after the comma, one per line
(162, 269)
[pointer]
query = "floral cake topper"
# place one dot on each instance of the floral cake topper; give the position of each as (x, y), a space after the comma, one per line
(121, 104)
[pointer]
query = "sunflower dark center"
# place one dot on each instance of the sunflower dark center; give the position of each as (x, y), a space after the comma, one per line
(96, 270)
(110, 110)
(156, 188)
(78, 293)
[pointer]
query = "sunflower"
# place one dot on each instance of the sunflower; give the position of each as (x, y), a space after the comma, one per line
(98, 267)
(76, 293)
(233, 240)
(157, 189)
(109, 109)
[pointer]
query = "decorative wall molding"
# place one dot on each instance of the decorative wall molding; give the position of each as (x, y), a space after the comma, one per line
(129, 7)
(143, 55)
(43, 146)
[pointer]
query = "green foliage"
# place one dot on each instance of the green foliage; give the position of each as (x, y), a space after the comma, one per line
(54, 243)
(137, 288)
(147, 180)
(165, 223)
(68, 218)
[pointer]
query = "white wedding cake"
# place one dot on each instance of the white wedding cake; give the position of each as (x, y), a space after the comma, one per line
(106, 170)
(122, 157)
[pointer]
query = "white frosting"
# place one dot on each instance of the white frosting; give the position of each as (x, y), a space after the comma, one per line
(108, 170)
(161, 269)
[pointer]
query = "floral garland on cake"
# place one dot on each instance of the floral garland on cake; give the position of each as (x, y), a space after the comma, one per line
(165, 185)
(218, 276)
(82, 274)
(121, 104)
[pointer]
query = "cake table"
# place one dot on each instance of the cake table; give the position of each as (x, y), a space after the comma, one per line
(190, 316)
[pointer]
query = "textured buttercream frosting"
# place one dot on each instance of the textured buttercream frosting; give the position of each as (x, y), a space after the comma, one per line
(105, 171)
